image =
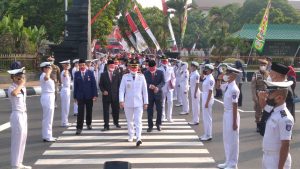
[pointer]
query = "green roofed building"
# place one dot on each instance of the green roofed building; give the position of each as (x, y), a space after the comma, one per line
(281, 39)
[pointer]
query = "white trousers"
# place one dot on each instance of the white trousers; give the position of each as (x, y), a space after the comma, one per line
(195, 106)
(271, 160)
(185, 100)
(134, 118)
(65, 95)
(207, 115)
(179, 96)
(167, 95)
(47, 101)
(18, 122)
(231, 139)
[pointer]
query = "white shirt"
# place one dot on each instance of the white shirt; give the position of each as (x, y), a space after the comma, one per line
(18, 103)
(194, 79)
(208, 84)
(184, 80)
(278, 127)
(47, 86)
(65, 81)
(169, 76)
(231, 95)
(133, 92)
(74, 70)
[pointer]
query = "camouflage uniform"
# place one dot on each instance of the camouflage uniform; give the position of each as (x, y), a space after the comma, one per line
(257, 84)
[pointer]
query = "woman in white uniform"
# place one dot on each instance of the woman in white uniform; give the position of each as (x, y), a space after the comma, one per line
(18, 117)
(195, 93)
(47, 101)
(65, 93)
(207, 101)
(75, 69)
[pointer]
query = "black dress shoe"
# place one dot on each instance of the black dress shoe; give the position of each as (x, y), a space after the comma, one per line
(118, 126)
(158, 128)
(89, 127)
(105, 129)
(78, 131)
(138, 143)
(149, 130)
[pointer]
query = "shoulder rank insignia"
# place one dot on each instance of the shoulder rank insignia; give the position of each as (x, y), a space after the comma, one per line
(283, 113)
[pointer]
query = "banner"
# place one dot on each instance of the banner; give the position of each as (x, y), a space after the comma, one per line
(133, 42)
(120, 39)
(174, 45)
(141, 45)
(146, 27)
(260, 38)
(164, 7)
(184, 23)
(100, 12)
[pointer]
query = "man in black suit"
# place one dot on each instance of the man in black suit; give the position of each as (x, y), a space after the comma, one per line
(155, 81)
(109, 85)
(85, 92)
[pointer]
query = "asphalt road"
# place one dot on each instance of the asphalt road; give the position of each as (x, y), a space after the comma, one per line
(250, 142)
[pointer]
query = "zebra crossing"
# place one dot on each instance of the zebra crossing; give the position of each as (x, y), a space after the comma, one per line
(176, 146)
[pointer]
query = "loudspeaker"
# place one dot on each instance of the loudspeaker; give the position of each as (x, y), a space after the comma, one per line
(117, 165)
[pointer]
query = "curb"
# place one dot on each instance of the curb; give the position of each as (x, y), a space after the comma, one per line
(35, 90)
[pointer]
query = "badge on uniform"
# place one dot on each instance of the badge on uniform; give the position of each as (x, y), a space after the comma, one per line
(234, 96)
(288, 127)
(211, 83)
(283, 113)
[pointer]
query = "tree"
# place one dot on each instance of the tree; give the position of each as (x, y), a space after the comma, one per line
(276, 16)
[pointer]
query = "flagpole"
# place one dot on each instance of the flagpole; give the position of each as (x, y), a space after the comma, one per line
(250, 54)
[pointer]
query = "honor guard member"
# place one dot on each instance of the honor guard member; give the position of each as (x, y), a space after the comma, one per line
(18, 118)
(65, 93)
(55, 76)
(75, 69)
(257, 85)
(231, 119)
(168, 88)
(277, 74)
(195, 93)
(47, 101)
(184, 88)
(133, 97)
(177, 70)
(278, 133)
(155, 81)
(207, 101)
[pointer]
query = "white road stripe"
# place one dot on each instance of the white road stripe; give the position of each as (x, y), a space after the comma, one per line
(144, 120)
(124, 131)
(4, 126)
(92, 161)
(173, 168)
(145, 137)
(95, 127)
(124, 144)
(144, 123)
(126, 151)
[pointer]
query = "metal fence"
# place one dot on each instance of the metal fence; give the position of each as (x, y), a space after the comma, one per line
(27, 60)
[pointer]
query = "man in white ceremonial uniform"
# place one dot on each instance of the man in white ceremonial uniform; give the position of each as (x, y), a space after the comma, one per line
(207, 101)
(231, 119)
(18, 118)
(278, 132)
(133, 97)
(184, 88)
(195, 93)
(65, 93)
(177, 70)
(47, 101)
(168, 88)
(75, 69)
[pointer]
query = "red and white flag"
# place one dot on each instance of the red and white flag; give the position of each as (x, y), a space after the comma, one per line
(120, 39)
(146, 27)
(133, 42)
(141, 45)
(164, 7)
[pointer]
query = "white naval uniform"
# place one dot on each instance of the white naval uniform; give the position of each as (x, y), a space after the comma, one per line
(167, 91)
(18, 123)
(194, 79)
(75, 105)
(47, 102)
(177, 88)
(65, 95)
(230, 137)
(207, 85)
(184, 90)
(133, 92)
(278, 127)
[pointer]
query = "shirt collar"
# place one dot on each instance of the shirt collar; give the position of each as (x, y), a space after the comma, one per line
(279, 108)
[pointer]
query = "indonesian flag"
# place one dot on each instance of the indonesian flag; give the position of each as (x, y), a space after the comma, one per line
(118, 36)
(164, 7)
(141, 45)
(146, 27)
(133, 42)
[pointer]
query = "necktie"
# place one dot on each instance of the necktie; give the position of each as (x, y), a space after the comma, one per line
(226, 89)
(152, 76)
(22, 92)
(110, 76)
(82, 75)
(133, 77)
(165, 68)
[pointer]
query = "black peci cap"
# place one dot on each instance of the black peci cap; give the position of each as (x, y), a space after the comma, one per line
(110, 62)
(81, 61)
(280, 68)
(152, 63)
(134, 63)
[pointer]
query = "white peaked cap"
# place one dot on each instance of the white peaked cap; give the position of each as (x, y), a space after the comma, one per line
(65, 62)
(16, 71)
(44, 64)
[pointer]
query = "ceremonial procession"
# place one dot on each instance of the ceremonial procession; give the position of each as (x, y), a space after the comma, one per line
(122, 84)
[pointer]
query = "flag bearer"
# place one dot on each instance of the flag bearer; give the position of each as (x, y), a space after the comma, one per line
(195, 93)
(18, 117)
(65, 93)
